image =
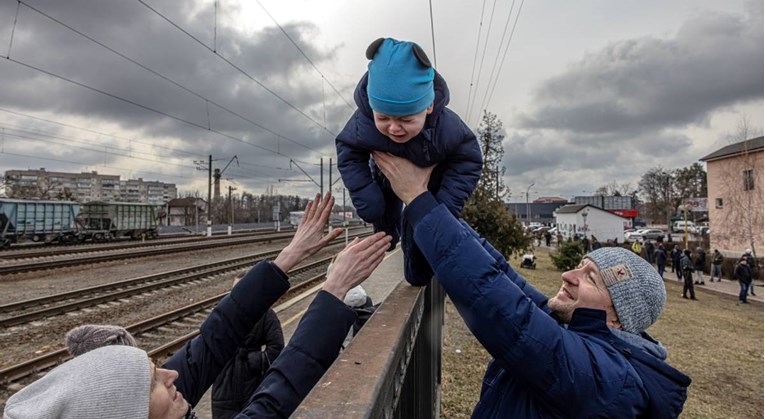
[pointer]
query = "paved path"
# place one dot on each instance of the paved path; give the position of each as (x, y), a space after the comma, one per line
(725, 286)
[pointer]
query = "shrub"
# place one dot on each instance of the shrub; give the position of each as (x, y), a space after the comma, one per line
(568, 256)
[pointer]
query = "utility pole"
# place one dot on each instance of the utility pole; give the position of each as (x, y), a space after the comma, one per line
(201, 166)
(321, 176)
(231, 206)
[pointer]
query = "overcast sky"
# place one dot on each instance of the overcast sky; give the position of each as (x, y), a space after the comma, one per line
(589, 92)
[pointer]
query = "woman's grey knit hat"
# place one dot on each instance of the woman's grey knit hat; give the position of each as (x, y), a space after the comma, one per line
(636, 289)
(109, 382)
(87, 337)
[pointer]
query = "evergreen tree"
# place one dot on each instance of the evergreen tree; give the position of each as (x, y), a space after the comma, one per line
(485, 210)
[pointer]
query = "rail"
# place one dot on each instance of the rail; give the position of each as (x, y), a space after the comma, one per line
(392, 368)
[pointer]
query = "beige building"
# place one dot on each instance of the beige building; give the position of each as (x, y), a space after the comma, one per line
(86, 187)
(735, 197)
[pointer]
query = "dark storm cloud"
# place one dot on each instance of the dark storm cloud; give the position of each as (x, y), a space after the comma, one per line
(650, 84)
(267, 131)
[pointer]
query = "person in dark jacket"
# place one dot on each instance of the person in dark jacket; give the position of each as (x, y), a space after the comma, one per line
(752, 267)
(244, 373)
(698, 265)
(676, 255)
(582, 353)
(121, 381)
(649, 251)
(660, 256)
(716, 266)
(402, 110)
(686, 267)
(743, 273)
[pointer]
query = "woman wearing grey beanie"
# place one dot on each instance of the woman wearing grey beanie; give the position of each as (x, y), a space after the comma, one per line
(118, 381)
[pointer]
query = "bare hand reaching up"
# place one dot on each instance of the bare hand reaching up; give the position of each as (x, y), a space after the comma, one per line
(355, 263)
(309, 237)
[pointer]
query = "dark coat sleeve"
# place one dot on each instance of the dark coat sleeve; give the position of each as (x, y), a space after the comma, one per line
(353, 164)
(200, 361)
(560, 367)
(311, 351)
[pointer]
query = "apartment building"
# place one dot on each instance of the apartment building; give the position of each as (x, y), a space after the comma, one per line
(85, 187)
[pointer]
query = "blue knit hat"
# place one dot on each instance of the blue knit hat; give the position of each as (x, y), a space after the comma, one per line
(636, 289)
(400, 77)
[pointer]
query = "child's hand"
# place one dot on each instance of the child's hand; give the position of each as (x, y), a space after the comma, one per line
(407, 179)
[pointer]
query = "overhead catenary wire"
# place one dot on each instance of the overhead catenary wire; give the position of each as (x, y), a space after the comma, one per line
(236, 67)
(324, 78)
(483, 56)
(507, 47)
(475, 59)
(496, 58)
(169, 80)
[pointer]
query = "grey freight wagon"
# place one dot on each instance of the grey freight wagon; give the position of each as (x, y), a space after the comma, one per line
(38, 221)
(103, 221)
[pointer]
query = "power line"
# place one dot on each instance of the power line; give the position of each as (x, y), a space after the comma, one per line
(475, 59)
(207, 100)
(193, 124)
(227, 61)
(101, 133)
(483, 56)
(433, 34)
(496, 58)
(304, 54)
(507, 47)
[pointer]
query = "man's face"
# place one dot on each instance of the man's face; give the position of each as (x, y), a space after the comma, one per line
(582, 287)
(165, 401)
(401, 129)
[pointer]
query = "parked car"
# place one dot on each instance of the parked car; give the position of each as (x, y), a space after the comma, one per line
(652, 233)
(634, 235)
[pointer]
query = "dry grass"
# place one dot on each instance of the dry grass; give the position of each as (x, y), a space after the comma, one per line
(718, 343)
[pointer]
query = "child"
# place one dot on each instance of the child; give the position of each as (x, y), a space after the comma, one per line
(402, 110)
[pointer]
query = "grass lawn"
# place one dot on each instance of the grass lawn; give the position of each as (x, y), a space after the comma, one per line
(718, 343)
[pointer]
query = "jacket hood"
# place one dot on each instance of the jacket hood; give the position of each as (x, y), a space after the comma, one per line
(439, 103)
(666, 386)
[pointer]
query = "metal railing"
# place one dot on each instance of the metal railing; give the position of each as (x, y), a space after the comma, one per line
(392, 368)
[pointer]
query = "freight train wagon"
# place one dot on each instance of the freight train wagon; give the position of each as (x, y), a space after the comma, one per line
(102, 221)
(38, 221)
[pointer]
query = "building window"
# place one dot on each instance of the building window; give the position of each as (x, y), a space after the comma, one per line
(718, 203)
(748, 180)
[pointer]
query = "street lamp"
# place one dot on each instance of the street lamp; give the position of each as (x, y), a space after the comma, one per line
(528, 214)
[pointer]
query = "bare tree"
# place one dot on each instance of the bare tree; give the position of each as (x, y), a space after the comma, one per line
(615, 189)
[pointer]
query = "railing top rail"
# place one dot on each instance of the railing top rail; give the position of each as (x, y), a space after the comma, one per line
(366, 378)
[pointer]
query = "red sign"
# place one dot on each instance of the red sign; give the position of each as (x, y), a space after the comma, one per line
(626, 213)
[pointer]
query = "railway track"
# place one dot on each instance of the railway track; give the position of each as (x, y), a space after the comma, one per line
(26, 311)
(194, 313)
(96, 256)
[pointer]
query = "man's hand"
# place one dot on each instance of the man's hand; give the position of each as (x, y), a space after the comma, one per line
(407, 179)
(355, 263)
(309, 237)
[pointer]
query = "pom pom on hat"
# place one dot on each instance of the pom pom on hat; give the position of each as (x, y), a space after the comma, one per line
(400, 77)
(637, 291)
(356, 297)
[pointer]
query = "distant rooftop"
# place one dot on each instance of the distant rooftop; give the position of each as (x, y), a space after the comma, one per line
(754, 144)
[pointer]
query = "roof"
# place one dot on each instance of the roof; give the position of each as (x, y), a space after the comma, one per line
(754, 144)
(573, 209)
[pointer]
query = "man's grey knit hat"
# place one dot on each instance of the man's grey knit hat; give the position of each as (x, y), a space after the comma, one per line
(87, 337)
(636, 289)
(109, 382)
